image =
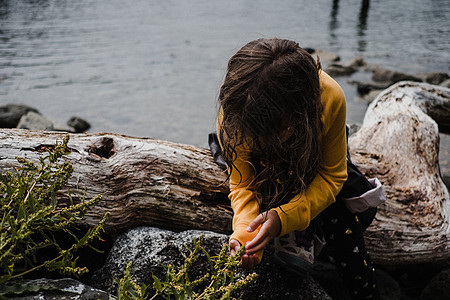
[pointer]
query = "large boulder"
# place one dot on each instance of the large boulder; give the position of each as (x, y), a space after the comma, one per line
(150, 248)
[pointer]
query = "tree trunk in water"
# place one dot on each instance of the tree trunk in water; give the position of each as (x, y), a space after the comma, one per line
(399, 144)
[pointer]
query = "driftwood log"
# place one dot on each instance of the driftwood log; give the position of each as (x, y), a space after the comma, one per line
(172, 186)
(399, 144)
(142, 181)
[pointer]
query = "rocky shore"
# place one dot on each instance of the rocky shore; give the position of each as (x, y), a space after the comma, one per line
(26, 117)
(382, 78)
(149, 248)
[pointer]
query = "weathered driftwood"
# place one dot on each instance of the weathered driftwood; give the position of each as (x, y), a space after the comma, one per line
(143, 181)
(399, 143)
(172, 186)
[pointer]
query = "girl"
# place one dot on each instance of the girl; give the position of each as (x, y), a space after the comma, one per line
(282, 127)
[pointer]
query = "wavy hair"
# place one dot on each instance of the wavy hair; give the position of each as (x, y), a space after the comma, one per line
(270, 103)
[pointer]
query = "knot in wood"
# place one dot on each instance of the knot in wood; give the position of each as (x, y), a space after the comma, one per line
(103, 148)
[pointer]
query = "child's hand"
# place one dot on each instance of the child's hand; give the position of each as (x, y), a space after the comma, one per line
(271, 227)
(248, 261)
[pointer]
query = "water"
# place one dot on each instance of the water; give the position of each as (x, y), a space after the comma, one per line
(154, 68)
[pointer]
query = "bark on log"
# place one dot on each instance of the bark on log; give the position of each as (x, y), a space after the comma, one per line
(143, 181)
(399, 144)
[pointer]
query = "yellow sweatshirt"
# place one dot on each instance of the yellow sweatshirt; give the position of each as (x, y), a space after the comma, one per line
(301, 209)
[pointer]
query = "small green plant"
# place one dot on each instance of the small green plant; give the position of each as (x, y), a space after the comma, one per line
(31, 217)
(220, 283)
(127, 288)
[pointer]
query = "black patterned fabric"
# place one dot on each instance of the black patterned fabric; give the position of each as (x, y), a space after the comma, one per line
(343, 233)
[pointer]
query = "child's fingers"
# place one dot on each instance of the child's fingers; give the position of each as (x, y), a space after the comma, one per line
(234, 246)
(249, 261)
(260, 245)
(255, 260)
(263, 237)
(256, 240)
(255, 223)
(252, 261)
(245, 261)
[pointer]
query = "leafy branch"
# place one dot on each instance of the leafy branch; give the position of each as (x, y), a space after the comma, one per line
(31, 217)
(220, 283)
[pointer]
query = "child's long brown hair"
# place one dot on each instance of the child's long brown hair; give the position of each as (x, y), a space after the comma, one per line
(270, 102)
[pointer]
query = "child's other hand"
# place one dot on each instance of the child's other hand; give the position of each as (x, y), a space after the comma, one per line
(248, 261)
(271, 227)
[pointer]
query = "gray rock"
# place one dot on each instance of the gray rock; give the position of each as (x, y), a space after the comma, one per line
(364, 88)
(444, 158)
(436, 77)
(150, 248)
(446, 179)
(438, 287)
(391, 77)
(368, 67)
(35, 121)
(336, 69)
(325, 56)
(10, 114)
(357, 62)
(59, 126)
(78, 124)
(340, 70)
(368, 98)
(52, 289)
(445, 83)
(353, 129)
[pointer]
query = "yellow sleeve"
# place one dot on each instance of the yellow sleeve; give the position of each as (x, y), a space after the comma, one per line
(242, 196)
(298, 213)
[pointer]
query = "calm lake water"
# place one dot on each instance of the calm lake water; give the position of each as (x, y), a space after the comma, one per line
(154, 68)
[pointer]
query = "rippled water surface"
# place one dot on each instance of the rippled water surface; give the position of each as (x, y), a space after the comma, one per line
(154, 68)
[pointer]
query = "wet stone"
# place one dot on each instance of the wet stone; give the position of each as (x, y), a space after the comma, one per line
(35, 121)
(10, 114)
